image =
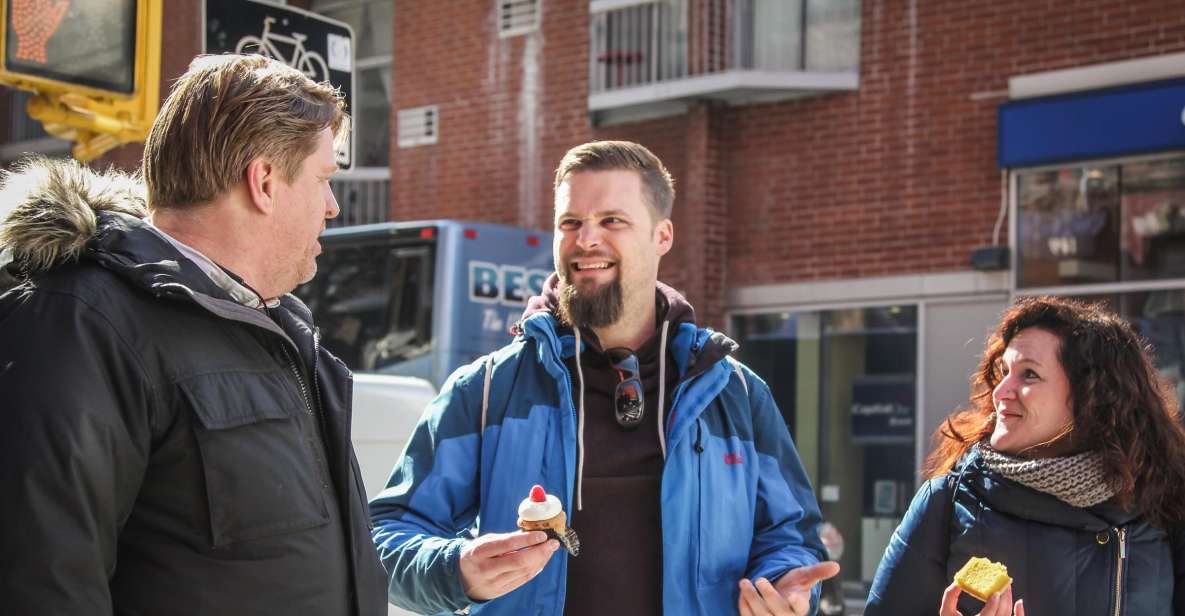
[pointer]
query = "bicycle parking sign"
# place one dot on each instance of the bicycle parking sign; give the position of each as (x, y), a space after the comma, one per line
(317, 46)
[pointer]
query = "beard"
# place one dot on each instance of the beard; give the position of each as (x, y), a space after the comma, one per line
(597, 307)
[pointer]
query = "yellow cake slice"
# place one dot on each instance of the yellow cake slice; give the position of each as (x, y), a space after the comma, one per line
(982, 578)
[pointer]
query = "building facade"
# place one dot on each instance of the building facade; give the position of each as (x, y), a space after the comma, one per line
(837, 164)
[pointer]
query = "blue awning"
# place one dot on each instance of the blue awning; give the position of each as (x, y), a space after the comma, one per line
(1139, 119)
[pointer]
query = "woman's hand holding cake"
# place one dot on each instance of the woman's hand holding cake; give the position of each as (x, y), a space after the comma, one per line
(987, 581)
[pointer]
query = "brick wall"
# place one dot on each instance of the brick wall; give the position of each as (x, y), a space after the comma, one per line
(509, 107)
(897, 177)
(901, 176)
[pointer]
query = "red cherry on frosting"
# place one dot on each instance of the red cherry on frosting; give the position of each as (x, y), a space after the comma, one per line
(537, 494)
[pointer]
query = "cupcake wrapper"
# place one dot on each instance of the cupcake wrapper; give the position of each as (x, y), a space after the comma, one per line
(569, 540)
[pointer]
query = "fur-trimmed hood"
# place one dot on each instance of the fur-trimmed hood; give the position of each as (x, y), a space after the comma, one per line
(66, 213)
(55, 209)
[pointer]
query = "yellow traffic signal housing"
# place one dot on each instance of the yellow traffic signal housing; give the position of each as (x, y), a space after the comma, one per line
(94, 66)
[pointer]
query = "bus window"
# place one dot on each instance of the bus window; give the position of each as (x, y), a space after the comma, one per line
(373, 303)
(409, 311)
(348, 300)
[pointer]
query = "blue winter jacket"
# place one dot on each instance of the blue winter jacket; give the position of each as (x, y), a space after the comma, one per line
(1063, 560)
(722, 520)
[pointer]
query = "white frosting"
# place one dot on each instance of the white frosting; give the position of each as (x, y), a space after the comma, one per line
(531, 511)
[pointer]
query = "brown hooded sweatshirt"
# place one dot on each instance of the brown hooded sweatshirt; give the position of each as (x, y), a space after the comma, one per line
(619, 570)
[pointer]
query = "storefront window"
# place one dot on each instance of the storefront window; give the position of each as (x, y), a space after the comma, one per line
(1068, 226)
(1098, 224)
(846, 382)
(1153, 206)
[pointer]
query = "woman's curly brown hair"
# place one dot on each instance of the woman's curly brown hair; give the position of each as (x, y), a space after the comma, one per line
(1122, 407)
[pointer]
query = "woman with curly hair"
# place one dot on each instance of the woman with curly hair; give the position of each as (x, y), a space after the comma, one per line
(1068, 468)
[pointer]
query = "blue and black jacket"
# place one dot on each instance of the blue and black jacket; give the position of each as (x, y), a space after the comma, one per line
(1063, 560)
(735, 500)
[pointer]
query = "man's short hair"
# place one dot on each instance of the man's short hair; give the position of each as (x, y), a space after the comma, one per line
(225, 111)
(623, 155)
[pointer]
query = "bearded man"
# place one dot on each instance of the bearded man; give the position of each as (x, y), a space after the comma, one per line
(670, 457)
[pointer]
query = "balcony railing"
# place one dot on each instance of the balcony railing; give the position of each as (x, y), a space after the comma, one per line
(362, 195)
(644, 52)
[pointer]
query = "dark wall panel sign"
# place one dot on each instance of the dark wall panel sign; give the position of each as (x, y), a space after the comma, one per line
(319, 47)
(883, 409)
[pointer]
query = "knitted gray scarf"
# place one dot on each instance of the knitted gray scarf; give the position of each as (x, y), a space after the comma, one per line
(1078, 480)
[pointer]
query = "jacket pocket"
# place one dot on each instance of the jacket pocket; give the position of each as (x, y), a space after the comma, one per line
(262, 478)
(725, 508)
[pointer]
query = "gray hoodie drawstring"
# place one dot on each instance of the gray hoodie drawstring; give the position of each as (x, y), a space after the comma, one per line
(579, 430)
(662, 387)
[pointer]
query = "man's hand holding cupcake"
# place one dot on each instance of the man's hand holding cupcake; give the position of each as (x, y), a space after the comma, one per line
(495, 564)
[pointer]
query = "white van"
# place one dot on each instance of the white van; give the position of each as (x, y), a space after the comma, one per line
(386, 409)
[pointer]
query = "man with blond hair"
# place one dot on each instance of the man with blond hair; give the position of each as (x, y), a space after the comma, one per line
(175, 439)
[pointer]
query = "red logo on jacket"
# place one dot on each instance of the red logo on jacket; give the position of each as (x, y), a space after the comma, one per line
(733, 458)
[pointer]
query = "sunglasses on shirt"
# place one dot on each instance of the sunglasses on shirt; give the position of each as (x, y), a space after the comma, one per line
(628, 404)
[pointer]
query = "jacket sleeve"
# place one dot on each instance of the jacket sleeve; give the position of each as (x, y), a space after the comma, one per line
(1177, 545)
(785, 533)
(912, 574)
(73, 452)
(422, 518)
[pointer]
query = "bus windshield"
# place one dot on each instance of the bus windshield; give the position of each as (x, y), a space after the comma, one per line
(373, 304)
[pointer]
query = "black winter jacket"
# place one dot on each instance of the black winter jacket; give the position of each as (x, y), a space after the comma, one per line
(165, 450)
(1063, 560)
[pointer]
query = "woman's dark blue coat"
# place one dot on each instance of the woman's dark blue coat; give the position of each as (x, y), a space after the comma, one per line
(1063, 560)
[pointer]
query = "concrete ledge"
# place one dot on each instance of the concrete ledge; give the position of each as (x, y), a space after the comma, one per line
(1107, 75)
(885, 288)
(734, 86)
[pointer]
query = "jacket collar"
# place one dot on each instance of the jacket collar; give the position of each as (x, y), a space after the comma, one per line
(694, 350)
(1014, 499)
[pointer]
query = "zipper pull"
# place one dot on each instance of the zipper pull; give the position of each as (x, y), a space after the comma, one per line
(1122, 532)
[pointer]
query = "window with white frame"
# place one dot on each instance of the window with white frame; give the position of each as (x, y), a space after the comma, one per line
(364, 192)
(372, 21)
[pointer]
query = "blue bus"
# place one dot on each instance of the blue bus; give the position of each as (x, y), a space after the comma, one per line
(423, 298)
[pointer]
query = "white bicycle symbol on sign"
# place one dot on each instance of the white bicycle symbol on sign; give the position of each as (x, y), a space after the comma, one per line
(308, 62)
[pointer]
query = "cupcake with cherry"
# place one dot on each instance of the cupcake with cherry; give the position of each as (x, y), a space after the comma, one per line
(543, 511)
